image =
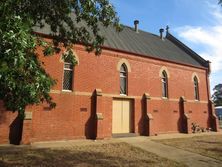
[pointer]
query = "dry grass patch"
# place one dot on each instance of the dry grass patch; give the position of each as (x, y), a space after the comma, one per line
(104, 155)
(210, 146)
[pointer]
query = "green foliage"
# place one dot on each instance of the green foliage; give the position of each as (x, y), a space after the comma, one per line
(68, 57)
(23, 80)
(217, 96)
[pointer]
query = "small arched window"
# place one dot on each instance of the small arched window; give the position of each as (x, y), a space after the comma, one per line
(68, 75)
(123, 79)
(164, 81)
(196, 88)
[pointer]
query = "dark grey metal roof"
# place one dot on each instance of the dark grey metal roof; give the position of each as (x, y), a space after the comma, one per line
(148, 44)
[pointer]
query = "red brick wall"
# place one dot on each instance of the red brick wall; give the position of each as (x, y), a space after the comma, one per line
(69, 120)
(8, 126)
(197, 113)
(74, 116)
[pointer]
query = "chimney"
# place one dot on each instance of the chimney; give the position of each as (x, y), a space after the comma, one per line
(161, 33)
(136, 22)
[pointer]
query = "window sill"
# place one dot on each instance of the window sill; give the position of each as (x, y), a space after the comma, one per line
(123, 95)
(67, 91)
(165, 98)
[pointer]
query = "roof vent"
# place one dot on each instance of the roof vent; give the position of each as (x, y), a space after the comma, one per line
(161, 33)
(167, 29)
(136, 22)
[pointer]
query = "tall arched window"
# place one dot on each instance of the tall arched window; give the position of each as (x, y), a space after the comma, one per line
(123, 79)
(164, 80)
(196, 88)
(68, 75)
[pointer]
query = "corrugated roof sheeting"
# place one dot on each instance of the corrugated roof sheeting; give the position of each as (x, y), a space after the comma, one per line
(142, 43)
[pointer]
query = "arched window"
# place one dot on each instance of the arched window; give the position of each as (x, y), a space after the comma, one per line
(164, 81)
(196, 88)
(123, 79)
(68, 75)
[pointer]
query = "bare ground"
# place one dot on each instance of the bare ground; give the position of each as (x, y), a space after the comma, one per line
(103, 155)
(210, 146)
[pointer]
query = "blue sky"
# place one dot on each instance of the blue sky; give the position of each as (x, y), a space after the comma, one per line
(197, 23)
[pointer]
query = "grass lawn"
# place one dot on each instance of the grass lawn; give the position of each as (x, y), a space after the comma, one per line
(210, 146)
(102, 155)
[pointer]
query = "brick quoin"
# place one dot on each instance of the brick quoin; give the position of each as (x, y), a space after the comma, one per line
(75, 115)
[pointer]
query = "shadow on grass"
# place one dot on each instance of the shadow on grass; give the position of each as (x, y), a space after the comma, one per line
(48, 157)
(210, 142)
(217, 150)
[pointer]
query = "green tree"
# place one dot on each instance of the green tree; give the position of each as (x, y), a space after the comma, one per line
(217, 96)
(23, 80)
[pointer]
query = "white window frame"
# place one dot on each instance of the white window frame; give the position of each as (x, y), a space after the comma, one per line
(67, 69)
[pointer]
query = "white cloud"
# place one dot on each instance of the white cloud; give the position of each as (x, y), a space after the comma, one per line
(208, 38)
(210, 41)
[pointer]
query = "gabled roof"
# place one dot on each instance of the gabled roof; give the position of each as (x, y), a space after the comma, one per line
(152, 45)
(148, 44)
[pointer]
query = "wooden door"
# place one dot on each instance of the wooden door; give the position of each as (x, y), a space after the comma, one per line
(121, 116)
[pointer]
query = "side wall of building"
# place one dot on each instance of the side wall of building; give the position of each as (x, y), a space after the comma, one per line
(76, 113)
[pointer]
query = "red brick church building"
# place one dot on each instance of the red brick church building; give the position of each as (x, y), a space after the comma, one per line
(142, 84)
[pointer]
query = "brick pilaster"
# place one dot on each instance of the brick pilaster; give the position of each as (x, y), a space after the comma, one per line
(99, 115)
(213, 120)
(149, 116)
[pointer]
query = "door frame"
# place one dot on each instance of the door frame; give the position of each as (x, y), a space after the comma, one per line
(131, 115)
